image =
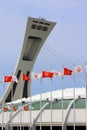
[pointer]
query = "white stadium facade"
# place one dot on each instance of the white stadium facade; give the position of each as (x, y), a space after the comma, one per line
(49, 111)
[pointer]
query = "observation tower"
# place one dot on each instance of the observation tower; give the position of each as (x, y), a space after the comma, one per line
(37, 31)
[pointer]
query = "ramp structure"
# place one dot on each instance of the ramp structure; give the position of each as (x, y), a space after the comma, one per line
(37, 31)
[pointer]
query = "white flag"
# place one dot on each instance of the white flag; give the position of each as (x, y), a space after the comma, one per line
(56, 73)
(14, 78)
(78, 69)
(35, 76)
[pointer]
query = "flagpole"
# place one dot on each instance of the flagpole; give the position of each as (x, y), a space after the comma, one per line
(2, 116)
(74, 97)
(40, 103)
(86, 93)
(46, 74)
(51, 105)
(21, 103)
(41, 100)
(3, 111)
(11, 107)
(26, 78)
(62, 100)
(3, 105)
(30, 101)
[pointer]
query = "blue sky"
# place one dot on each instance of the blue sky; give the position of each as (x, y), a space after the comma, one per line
(65, 46)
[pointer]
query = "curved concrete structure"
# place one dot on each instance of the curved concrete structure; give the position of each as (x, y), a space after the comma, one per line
(68, 112)
(38, 114)
(37, 31)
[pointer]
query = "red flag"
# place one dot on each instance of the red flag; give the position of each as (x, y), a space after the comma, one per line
(5, 108)
(14, 108)
(47, 74)
(25, 108)
(10, 78)
(25, 77)
(67, 71)
(7, 78)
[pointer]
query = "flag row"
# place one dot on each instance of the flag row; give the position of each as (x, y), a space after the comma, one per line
(44, 74)
(14, 108)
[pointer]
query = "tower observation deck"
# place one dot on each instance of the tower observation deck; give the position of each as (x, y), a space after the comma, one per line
(37, 31)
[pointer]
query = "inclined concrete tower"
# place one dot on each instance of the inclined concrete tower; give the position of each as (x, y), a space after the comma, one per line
(37, 31)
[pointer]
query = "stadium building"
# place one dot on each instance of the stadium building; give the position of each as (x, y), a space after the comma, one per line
(56, 110)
